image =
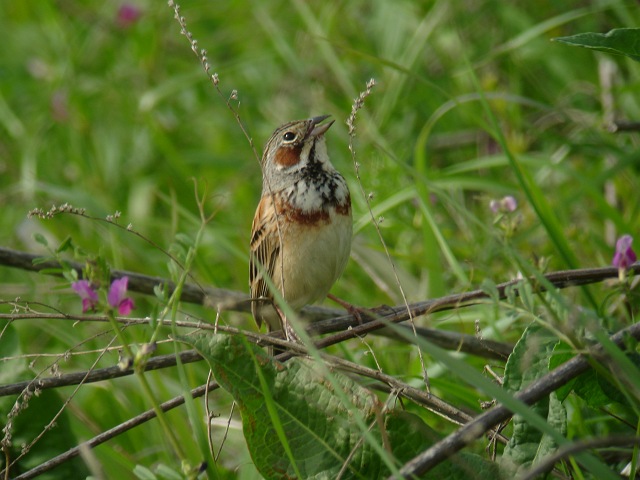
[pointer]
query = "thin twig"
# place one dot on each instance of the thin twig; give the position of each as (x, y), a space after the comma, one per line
(357, 105)
(226, 430)
(96, 375)
(213, 77)
(67, 209)
(209, 416)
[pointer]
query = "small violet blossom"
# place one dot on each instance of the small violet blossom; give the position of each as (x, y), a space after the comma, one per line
(504, 205)
(88, 295)
(117, 296)
(624, 256)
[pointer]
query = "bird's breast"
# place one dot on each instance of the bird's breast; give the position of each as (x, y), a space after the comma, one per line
(315, 197)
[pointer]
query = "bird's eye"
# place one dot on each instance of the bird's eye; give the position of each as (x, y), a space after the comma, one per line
(289, 136)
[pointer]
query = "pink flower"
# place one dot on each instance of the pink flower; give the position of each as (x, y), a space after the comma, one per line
(127, 15)
(624, 256)
(504, 205)
(509, 203)
(117, 296)
(88, 295)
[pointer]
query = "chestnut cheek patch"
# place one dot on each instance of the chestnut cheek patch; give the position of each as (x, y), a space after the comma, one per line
(288, 156)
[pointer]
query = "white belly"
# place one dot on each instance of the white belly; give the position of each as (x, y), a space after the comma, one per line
(325, 253)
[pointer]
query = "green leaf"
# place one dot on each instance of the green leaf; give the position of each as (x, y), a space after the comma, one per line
(167, 473)
(620, 41)
(70, 275)
(41, 239)
(48, 271)
(39, 260)
(489, 287)
(184, 240)
(161, 292)
(557, 418)
(304, 405)
(594, 388)
(143, 473)
(562, 352)
(528, 362)
(589, 388)
(65, 245)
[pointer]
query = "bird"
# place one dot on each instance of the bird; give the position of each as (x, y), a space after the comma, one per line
(302, 228)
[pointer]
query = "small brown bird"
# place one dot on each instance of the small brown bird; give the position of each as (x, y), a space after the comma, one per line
(301, 232)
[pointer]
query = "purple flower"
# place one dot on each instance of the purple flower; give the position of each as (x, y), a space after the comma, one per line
(625, 256)
(117, 296)
(88, 295)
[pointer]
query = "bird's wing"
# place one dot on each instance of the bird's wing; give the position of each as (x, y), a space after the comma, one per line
(265, 251)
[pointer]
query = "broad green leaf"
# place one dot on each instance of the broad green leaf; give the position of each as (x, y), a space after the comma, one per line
(320, 432)
(557, 418)
(620, 41)
(297, 402)
(528, 362)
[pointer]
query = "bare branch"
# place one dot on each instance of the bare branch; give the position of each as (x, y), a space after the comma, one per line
(231, 300)
(328, 320)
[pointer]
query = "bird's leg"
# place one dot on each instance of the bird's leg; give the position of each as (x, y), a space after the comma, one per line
(289, 332)
(357, 312)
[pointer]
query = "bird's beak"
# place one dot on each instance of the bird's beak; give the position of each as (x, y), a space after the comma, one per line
(315, 130)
